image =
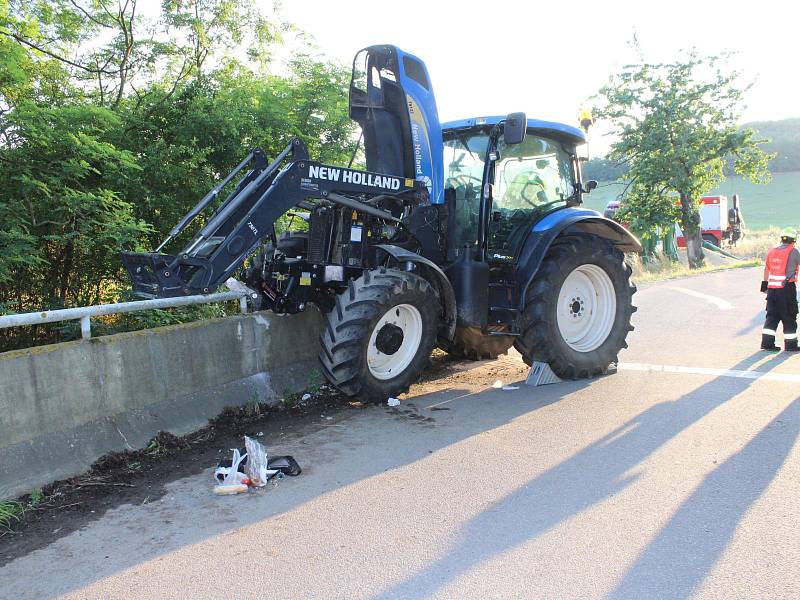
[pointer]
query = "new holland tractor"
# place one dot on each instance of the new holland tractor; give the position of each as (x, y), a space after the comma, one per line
(467, 235)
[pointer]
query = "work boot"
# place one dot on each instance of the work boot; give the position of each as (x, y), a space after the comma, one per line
(791, 345)
(768, 343)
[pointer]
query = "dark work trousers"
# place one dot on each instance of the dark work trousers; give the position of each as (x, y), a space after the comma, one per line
(782, 308)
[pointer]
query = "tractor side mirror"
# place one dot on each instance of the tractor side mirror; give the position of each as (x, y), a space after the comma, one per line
(590, 185)
(514, 128)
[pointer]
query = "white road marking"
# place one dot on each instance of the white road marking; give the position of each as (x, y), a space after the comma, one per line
(705, 371)
(456, 398)
(718, 302)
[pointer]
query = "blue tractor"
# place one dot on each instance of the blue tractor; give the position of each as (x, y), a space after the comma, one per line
(467, 235)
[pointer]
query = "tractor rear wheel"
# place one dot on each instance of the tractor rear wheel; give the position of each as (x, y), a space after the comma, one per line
(379, 335)
(578, 308)
(471, 344)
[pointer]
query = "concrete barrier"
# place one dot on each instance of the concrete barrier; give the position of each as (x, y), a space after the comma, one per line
(65, 405)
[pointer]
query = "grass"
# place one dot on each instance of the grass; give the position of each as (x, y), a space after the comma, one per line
(36, 498)
(664, 269)
(751, 251)
(315, 381)
(10, 511)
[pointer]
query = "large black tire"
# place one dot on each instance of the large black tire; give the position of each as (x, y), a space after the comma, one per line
(471, 344)
(542, 339)
(369, 301)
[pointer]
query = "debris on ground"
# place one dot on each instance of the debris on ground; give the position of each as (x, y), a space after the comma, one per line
(233, 480)
(286, 465)
(393, 402)
(510, 388)
(257, 467)
(498, 384)
(306, 397)
(250, 467)
(143, 476)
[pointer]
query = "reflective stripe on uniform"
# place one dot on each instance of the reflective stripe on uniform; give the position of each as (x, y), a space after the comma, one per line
(769, 332)
(775, 282)
(777, 264)
(790, 336)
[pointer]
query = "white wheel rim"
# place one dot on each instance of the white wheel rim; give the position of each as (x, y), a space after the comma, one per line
(587, 305)
(386, 366)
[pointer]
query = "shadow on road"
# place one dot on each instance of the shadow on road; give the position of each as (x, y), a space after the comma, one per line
(353, 432)
(688, 547)
(755, 323)
(587, 478)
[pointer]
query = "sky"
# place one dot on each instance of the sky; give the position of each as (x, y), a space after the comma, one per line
(547, 58)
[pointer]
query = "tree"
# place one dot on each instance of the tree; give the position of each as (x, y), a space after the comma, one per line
(603, 169)
(114, 124)
(66, 220)
(676, 125)
(650, 213)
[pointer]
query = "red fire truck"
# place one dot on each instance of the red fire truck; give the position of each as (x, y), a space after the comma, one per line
(718, 223)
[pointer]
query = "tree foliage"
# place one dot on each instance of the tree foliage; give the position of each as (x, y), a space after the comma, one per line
(676, 125)
(604, 169)
(113, 124)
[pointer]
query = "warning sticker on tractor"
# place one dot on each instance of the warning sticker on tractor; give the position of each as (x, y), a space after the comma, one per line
(307, 184)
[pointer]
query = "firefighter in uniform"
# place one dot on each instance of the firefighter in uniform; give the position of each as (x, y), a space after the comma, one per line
(780, 275)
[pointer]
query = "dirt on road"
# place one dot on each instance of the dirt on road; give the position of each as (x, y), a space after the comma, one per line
(142, 476)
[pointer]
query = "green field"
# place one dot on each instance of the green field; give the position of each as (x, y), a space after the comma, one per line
(775, 204)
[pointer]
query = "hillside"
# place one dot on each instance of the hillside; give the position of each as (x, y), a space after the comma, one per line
(784, 136)
(764, 206)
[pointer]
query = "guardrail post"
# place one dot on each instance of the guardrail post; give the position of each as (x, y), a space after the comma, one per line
(243, 304)
(86, 327)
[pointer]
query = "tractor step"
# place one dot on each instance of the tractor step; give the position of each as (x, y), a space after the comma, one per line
(501, 315)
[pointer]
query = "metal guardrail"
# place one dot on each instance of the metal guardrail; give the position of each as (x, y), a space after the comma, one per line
(85, 313)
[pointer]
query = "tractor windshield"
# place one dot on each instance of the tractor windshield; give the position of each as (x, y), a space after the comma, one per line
(531, 179)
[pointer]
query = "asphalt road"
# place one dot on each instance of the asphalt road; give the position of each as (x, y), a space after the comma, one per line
(677, 477)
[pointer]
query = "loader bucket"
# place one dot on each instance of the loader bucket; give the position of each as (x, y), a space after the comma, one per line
(150, 274)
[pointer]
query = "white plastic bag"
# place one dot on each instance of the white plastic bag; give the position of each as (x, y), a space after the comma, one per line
(257, 467)
(233, 482)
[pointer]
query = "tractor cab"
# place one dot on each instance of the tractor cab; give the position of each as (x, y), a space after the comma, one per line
(530, 179)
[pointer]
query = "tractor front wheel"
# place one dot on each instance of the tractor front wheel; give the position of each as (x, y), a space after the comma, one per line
(578, 308)
(379, 335)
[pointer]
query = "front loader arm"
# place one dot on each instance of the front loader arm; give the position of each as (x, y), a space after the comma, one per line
(248, 216)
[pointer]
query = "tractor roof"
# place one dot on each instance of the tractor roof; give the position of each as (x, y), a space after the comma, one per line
(573, 134)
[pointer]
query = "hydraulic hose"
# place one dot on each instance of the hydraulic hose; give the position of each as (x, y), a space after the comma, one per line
(718, 250)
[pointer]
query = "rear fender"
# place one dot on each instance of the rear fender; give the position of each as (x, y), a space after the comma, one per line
(436, 277)
(568, 221)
